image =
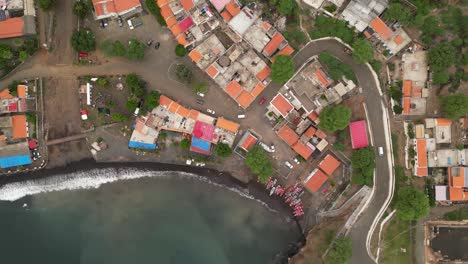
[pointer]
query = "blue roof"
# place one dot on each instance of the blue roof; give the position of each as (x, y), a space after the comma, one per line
(201, 144)
(141, 145)
(13, 161)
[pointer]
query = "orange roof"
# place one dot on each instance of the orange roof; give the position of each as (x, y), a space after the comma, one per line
(329, 164)
(139, 125)
(381, 28)
(288, 135)
(12, 27)
(313, 116)
(263, 74)
(422, 153)
(443, 122)
(193, 114)
(406, 105)
(302, 149)
(266, 26)
(310, 132)
(407, 88)
(173, 107)
(165, 101)
(5, 94)
(226, 15)
(227, 125)
(258, 89)
(195, 56)
(398, 40)
(287, 50)
(162, 2)
(187, 4)
(367, 34)
(19, 126)
(245, 99)
(273, 45)
(182, 40)
(417, 91)
(21, 91)
(456, 181)
(320, 134)
(183, 111)
(124, 5)
(249, 141)
(322, 78)
(315, 180)
(232, 8)
(166, 12)
(281, 104)
(457, 194)
(175, 30)
(212, 71)
(422, 172)
(233, 89)
(171, 22)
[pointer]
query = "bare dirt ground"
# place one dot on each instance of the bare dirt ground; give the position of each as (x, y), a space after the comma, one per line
(62, 118)
(65, 24)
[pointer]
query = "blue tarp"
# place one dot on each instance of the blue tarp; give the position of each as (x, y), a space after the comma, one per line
(13, 161)
(141, 145)
(201, 144)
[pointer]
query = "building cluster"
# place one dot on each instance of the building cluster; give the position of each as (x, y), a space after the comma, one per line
(204, 130)
(297, 105)
(108, 9)
(14, 130)
(17, 18)
(315, 180)
(231, 44)
(435, 157)
(415, 92)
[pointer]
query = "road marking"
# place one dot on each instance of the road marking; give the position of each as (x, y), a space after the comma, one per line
(368, 124)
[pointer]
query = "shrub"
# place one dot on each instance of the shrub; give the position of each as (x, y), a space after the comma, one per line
(259, 163)
(152, 100)
(131, 105)
(102, 82)
(185, 144)
(335, 118)
(223, 150)
(183, 73)
(118, 117)
(180, 50)
(135, 85)
(83, 40)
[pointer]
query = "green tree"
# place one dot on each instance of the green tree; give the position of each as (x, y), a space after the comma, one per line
(259, 163)
(102, 82)
(455, 106)
(183, 73)
(136, 86)
(363, 162)
(398, 12)
(46, 4)
(411, 204)
(200, 87)
(118, 117)
(81, 9)
(441, 56)
(336, 68)
(431, 28)
(152, 100)
(136, 49)
(83, 40)
(23, 55)
(180, 50)
(286, 7)
(362, 51)
(335, 117)
(5, 52)
(131, 105)
(185, 144)
(440, 77)
(282, 69)
(155, 11)
(453, 18)
(339, 146)
(223, 150)
(457, 42)
(340, 252)
(395, 93)
(326, 26)
(13, 88)
(397, 109)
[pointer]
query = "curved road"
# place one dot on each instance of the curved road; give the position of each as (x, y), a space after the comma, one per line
(37, 67)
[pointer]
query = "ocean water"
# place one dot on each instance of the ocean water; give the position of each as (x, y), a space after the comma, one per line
(145, 217)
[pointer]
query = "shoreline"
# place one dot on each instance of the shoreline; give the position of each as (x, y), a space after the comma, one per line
(253, 188)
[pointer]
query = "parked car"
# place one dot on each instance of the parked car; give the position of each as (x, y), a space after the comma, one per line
(137, 110)
(200, 94)
(289, 165)
(130, 24)
(83, 54)
(381, 153)
(211, 111)
(199, 101)
(84, 114)
(297, 161)
(156, 46)
(267, 148)
(120, 22)
(149, 42)
(241, 116)
(136, 22)
(262, 100)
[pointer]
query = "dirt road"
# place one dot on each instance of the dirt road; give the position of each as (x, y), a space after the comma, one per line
(65, 25)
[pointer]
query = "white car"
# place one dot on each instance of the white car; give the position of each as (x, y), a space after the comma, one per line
(297, 161)
(210, 111)
(130, 24)
(200, 94)
(289, 165)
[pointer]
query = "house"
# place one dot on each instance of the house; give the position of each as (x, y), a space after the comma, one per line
(247, 141)
(115, 8)
(17, 18)
(13, 155)
(392, 40)
(457, 188)
(358, 132)
(315, 180)
(360, 13)
(329, 164)
(420, 166)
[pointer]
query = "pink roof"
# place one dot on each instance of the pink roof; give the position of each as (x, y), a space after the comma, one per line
(358, 133)
(204, 131)
(13, 107)
(219, 4)
(185, 24)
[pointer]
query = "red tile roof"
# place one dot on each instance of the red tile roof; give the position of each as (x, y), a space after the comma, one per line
(226, 15)
(263, 74)
(249, 141)
(302, 149)
(187, 4)
(313, 116)
(358, 131)
(233, 89)
(406, 105)
(398, 40)
(212, 71)
(288, 135)
(381, 28)
(165, 101)
(12, 27)
(287, 50)
(329, 164)
(258, 89)
(109, 7)
(273, 45)
(232, 8)
(310, 132)
(227, 125)
(322, 78)
(19, 126)
(320, 134)
(281, 104)
(422, 153)
(195, 56)
(407, 88)
(245, 99)
(315, 180)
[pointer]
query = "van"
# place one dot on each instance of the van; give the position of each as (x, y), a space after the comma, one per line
(381, 151)
(241, 116)
(137, 110)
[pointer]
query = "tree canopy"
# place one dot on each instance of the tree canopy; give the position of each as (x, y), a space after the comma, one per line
(223, 150)
(81, 9)
(136, 49)
(398, 12)
(440, 77)
(46, 4)
(6, 52)
(336, 68)
(411, 204)
(362, 51)
(286, 7)
(183, 73)
(152, 100)
(259, 163)
(363, 162)
(282, 69)
(118, 117)
(326, 26)
(431, 28)
(131, 105)
(340, 252)
(441, 56)
(455, 106)
(135, 84)
(335, 117)
(185, 144)
(83, 40)
(180, 50)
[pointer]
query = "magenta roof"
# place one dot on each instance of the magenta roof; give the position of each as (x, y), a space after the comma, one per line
(358, 134)
(185, 24)
(204, 131)
(219, 4)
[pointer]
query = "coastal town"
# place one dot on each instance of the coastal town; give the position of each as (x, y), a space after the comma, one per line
(352, 115)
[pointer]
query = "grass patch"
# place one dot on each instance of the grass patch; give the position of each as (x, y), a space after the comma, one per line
(457, 215)
(395, 146)
(397, 236)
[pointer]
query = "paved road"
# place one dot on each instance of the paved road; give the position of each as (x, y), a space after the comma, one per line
(226, 107)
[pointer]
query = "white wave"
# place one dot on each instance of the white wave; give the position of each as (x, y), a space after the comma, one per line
(93, 179)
